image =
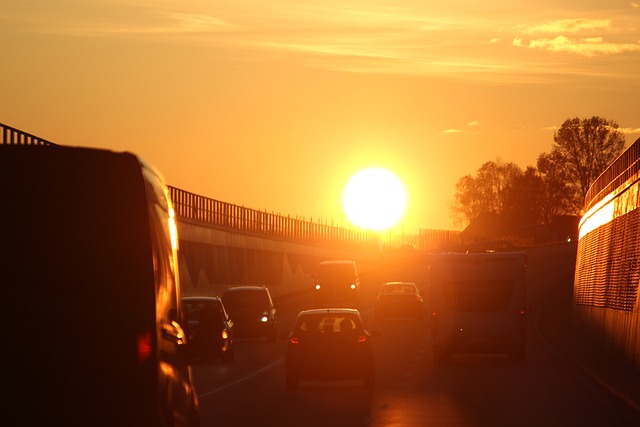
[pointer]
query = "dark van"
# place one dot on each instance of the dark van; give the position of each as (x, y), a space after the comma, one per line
(92, 319)
(337, 284)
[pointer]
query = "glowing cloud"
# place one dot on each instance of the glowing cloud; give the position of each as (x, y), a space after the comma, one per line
(569, 26)
(590, 47)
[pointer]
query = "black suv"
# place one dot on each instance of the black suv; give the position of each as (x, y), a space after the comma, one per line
(252, 311)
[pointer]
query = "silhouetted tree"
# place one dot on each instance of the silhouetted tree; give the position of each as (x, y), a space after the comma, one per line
(527, 201)
(582, 150)
(486, 193)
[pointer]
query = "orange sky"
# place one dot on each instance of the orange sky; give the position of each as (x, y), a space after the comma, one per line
(275, 104)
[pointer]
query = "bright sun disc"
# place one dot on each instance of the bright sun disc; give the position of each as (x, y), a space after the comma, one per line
(374, 199)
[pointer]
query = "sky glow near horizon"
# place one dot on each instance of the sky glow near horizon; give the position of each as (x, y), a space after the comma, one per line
(274, 105)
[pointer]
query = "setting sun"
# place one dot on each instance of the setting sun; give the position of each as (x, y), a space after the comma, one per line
(374, 199)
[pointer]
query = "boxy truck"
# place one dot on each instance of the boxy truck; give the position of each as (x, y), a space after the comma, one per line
(478, 303)
(92, 319)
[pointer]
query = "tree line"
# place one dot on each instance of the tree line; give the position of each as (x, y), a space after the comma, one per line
(557, 185)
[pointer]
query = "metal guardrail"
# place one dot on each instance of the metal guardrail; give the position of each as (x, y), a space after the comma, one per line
(13, 136)
(617, 173)
(213, 212)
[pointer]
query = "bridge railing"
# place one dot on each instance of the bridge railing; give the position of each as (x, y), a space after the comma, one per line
(204, 209)
(194, 207)
(13, 136)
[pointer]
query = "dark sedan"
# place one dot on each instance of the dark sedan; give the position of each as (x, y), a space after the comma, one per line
(329, 344)
(399, 299)
(210, 328)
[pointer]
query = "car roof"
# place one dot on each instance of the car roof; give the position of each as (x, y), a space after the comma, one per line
(329, 311)
(200, 298)
(399, 283)
(340, 261)
(247, 288)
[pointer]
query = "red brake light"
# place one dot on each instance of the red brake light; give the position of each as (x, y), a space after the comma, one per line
(294, 340)
(362, 338)
(144, 347)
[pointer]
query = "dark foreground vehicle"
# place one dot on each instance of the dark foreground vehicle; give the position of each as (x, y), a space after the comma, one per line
(92, 320)
(329, 344)
(210, 328)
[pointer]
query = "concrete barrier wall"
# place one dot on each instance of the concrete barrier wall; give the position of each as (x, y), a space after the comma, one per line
(211, 259)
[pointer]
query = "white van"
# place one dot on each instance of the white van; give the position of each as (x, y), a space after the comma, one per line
(92, 315)
(478, 303)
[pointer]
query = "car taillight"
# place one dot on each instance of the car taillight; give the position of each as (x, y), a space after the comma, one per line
(294, 340)
(144, 347)
(362, 338)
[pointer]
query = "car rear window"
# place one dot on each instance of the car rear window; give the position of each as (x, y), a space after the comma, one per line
(398, 288)
(328, 323)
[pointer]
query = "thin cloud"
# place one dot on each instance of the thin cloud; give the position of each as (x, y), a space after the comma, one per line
(590, 47)
(629, 131)
(568, 26)
(568, 40)
(470, 124)
(391, 38)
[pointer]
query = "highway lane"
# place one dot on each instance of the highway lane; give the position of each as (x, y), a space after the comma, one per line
(410, 390)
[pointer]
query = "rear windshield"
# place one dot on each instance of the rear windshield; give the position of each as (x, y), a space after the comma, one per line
(477, 295)
(329, 323)
(398, 288)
